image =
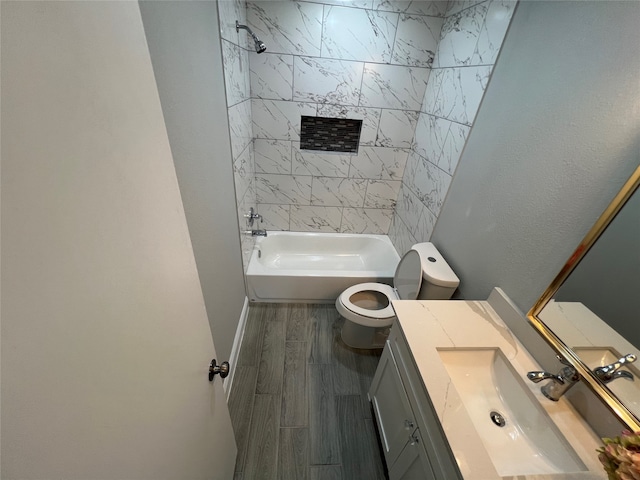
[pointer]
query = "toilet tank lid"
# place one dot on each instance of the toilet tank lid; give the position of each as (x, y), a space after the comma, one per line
(435, 268)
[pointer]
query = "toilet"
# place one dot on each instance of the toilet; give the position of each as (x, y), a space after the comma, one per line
(422, 274)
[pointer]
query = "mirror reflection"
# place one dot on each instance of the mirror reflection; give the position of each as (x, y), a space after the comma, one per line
(596, 311)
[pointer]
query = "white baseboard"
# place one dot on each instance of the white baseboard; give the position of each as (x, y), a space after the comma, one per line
(235, 349)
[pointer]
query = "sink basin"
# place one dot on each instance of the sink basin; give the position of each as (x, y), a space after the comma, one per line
(623, 388)
(518, 434)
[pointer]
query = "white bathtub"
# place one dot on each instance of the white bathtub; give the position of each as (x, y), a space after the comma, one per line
(317, 267)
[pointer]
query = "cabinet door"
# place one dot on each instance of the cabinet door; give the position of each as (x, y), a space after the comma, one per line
(393, 413)
(412, 463)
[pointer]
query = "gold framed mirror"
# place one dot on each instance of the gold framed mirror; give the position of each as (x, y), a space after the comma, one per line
(573, 313)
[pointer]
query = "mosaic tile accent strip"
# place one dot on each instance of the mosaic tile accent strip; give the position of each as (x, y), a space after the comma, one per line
(330, 134)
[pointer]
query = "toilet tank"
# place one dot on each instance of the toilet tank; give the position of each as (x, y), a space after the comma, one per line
(438, 279)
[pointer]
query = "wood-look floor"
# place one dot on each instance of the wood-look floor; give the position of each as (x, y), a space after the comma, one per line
(299, 403)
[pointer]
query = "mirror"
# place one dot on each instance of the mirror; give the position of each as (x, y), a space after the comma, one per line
(590, 313)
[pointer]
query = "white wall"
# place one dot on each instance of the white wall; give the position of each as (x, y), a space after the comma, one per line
(187, 62)
(105, 340)
(556, 136)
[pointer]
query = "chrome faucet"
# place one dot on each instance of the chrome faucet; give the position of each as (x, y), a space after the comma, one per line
(251, 216)
(256, 233)
(610, 372)
(566, 378)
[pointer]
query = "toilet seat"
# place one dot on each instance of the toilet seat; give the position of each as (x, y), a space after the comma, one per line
(407, 282)
(365, 316)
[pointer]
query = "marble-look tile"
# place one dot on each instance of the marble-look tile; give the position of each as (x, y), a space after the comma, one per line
(382, 193)
(370, 119)
(459, 37)
(366, 220)
(396, 128)
(430, 185)
(271, 76)
(393, 86)
(283, 189)
(315, 219)
(278, 119)
(274, 217)
(327, 81)
(434, 8)
(240, 127)
(287, 27)
(322, 164)
(400, 236)
(493, 31)
(409, 207)
(236, 73)
(246, 248)
(456, 6)
(411, 167)
(379, 163)
(461, 93)
(229, 11)
(243, 171)
(416, 40)
(452, 148)
(424, 226)
(356, 34)
(430, 100)
(338, 192)
(431, 133)
(272, 156)
(348, 3)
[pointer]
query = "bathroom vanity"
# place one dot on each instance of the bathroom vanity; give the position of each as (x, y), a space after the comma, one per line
(451, 400)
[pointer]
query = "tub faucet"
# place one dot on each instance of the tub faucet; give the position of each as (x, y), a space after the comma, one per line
(256, 233)
(251, 216)
(609, 373)
(566, 378)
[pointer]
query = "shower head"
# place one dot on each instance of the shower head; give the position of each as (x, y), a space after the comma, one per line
(260, 46)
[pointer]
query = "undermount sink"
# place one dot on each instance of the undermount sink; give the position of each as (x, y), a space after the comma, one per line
(518, 434)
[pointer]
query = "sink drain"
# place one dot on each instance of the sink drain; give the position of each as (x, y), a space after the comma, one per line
(497, 418)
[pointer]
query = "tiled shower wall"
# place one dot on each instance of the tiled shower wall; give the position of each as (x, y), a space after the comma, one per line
(236, 73)
(471, 38)
(361, 59)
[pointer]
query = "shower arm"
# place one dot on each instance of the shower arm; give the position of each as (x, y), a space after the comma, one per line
(260, 46)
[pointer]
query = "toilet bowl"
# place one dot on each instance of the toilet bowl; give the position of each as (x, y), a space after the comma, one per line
(422, 274)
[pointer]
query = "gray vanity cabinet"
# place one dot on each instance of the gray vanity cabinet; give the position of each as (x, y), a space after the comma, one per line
(410, 433)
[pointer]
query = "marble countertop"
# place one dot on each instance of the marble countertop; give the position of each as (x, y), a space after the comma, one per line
(431, 325)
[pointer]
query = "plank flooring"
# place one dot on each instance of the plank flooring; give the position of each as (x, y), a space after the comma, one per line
(299, 404)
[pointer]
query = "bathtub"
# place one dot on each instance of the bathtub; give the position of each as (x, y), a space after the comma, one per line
(317, 267)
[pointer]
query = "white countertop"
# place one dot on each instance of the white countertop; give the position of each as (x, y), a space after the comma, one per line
(431, 325)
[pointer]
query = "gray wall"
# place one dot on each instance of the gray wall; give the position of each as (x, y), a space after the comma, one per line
(556, 136)
(185, 51)
(607, 280)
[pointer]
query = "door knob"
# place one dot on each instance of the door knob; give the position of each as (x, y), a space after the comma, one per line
(222, 369)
